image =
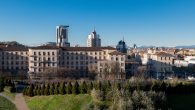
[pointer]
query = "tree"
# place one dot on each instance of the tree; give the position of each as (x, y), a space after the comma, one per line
(2, 83)
(47, 88)
(13, 88)
(56, 90)
(30, 90)
(69, 88)
(75, 89)
(42, 89)
(62, 88)
(83, 88)
(51, 90)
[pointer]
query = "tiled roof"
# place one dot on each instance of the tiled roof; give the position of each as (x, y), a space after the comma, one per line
(87, 48)
(116, 53)
(44, 47)
(74, 48)
(163, 54)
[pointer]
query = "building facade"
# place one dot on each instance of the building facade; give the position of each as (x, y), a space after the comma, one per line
(93, 40)
(14, 59)
(62, 36)
(73, 58)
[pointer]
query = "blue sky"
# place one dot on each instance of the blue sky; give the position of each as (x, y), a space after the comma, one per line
(143, 22)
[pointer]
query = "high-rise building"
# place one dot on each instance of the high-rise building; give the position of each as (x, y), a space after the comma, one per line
(93, 40)
(62, 36)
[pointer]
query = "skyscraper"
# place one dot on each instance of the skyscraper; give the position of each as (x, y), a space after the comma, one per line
(93, 40)
(62, 36)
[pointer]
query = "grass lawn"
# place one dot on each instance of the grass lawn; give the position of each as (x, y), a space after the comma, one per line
(181, 101)
(8, 93)
(58, 102)
(6, 104)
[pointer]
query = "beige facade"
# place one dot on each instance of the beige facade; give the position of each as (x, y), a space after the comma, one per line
(72, 58)
(13, 59)
(162, 62)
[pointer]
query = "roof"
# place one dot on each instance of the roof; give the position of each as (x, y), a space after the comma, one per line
(87, 48)
(116, 53)
(45, 47)
(73, 48)
(13, 48)
(163, 54)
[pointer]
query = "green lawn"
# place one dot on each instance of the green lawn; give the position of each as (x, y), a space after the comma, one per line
(6, 104)
(8, 93)
(181, 101)
(58, 102)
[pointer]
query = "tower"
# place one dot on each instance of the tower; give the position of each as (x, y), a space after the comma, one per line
(93, 40)
(62, 36)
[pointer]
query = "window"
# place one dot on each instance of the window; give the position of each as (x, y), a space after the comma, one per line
(53, 53)
(39, 53)
(34, 53)
(43, 53)
(48, 53)
(116, 58)
(112, 58)
(122, 59)
(161, 58)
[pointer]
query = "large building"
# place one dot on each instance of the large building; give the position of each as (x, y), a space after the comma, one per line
(14, 59)
(73, 58)
(62, 36)
(93, 40)
(37, 60)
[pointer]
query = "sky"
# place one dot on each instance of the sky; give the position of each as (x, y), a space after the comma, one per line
(141, 22)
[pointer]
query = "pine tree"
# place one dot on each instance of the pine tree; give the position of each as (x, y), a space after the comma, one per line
(83, 88)
(46, 91)
(62, 88)
(35, 90)
(56, 90)
(69, 88)
(51, 90)
(2, 83)
(30, 90)
(90, 87)
(39, 90)
(13, 88)
(43, 89)
(75, 89)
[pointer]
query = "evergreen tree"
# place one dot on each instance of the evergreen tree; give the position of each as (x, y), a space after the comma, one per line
(90, 87)
(83, 88)
(75, 89)
(56, 90)
(13, 88)
(30, 90)
(69, 88)
(62, 88)
(39, 90)
(2, 83)
(35, 90)
(46, 91)
(51, 90)
(43, 89)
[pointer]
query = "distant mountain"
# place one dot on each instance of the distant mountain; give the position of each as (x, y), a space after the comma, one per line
(11, 43)
(190, 47)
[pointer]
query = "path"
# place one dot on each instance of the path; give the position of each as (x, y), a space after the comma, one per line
(20, 102)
